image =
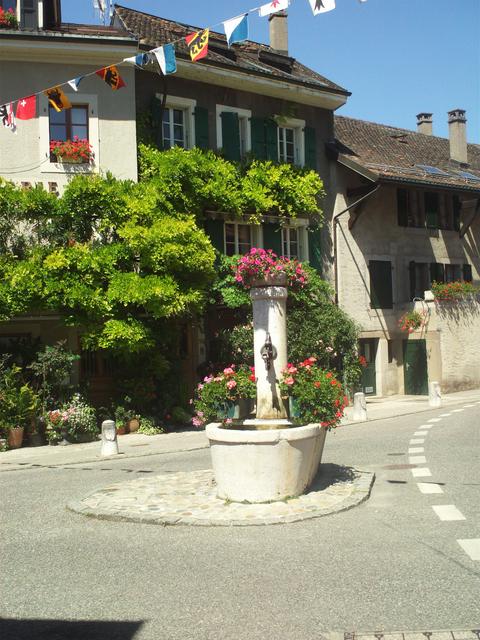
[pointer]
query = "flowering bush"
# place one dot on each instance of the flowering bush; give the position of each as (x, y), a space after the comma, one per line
(8, 19)
(229, 386)
(261, 264)
(317, 393)
(75, 150)
(411, 321)
(75, 419)
(453, 290)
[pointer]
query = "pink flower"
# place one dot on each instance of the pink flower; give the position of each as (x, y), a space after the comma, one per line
(200, 414)
(289, 380)
(229, 371)
(228, 421)
(197, 422)
(231, 384)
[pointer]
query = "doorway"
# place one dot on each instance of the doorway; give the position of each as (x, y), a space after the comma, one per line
(368, 349)
(415, 367)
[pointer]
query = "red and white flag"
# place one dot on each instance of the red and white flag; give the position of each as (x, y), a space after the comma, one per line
(321, 6)
(27, 108)
(273, 7)
(7, 116)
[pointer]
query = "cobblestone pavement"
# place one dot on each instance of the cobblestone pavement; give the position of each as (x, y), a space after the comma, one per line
(189, 498)
(465, 634)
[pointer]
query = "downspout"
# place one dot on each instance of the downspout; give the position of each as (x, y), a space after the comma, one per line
(335, 222)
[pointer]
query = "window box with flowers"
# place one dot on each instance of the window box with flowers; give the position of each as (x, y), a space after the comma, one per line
(453, 291)
(8, 19)
(76, 151)
(412, 321)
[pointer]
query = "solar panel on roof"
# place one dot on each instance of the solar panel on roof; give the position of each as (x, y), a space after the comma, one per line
(432, 170)
(468, 176)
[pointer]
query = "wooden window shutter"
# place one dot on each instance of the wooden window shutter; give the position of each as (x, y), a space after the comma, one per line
(230, 135)
(432, 207)
(156, 111)
(257, 126)
(272, 238)
(381, 293)
(310, 148)
(271, 139)
(315, 249)
(437, 272)
(214, 230)
(467, 273)
(402, 207)
(201, 127)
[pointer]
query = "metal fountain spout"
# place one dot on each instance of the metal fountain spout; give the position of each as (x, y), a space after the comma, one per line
(268, 352)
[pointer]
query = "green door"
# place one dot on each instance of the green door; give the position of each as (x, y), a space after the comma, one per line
(368, 349)
(415, 367)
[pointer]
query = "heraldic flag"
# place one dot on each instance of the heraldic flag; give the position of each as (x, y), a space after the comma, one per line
(166, 58)
(27, 108)
(198, 44)
(273, 7)
(7, 116)
(321, 6)
(236, 29)
(111, 76)
(57, 99)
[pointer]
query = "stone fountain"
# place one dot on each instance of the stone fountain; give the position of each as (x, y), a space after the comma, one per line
(266, 458)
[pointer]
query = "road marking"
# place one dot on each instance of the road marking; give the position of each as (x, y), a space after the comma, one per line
(425, 426)
(471, 547)
(420, 433)
(467, 406)
(448, 512)
(429, 487)
(416, 450)
(457, 410)
(435, 420)
(421, 472)
(445, 415)
(417, 440)
(417, 460)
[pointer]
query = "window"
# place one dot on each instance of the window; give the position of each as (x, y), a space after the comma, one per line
(178, 122)
(68, 124)
(238, 238)
(286, 145)
(295, 242)
(291, 140)
(29, 14)
(381, 291)
(233, 131)
(420, 279)
(9, 4)
(453, 272)
(422, 275)
(433, 210)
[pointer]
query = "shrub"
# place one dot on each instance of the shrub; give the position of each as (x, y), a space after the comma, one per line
(77, 419)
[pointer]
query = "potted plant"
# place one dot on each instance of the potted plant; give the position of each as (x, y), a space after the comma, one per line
(75, 151)
(411, 321)
(122, 416)
(453, 291)
(263, 267)
(8, 19)
(18, 403)
(74, 421)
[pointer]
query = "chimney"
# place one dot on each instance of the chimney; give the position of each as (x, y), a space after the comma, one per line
(424, 123)
(457, 125)
(279, 32)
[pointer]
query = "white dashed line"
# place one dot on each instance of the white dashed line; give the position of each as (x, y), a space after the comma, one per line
(445, 415)
(417, 440)
(457, 410)
(420, 433)
(417, 460)
(429, 487)
(467, 406)
(435, 420)
(421, 472)
(448, 512)
(425, 426)
(471, 547)
(416, 450)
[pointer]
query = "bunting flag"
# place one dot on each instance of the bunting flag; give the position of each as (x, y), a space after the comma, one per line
(236, 29)
(75, 82)
(321, 6)
(111, 76)
(166, 59)
(139, 60)
(273, 7)
(27, 108)
(58, 99)
(7, 116)
(198, 44)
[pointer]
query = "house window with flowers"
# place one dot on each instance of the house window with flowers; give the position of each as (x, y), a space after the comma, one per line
(69, 136)
(8, 14)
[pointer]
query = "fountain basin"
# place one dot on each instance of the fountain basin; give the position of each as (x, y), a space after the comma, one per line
(266, 465)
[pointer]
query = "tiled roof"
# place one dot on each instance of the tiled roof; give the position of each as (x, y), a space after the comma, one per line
(394, 153)
(250, 57)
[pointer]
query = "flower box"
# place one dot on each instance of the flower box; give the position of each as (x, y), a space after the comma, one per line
(74, 151)
(8, 19)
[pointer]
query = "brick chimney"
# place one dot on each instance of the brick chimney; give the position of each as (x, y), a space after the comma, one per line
(424, 123)
(457, 125)
(279, 32)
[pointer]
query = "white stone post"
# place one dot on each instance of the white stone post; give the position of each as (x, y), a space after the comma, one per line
(359, 407)
(434, 395)
(270, 320)
(109, 438)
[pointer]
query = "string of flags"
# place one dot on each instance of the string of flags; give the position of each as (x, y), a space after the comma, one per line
(236, 30)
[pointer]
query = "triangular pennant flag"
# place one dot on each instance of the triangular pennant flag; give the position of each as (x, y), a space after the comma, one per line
(236, 29)
(7, 116)
(273, 7)
(27, 108)
(57, 99)
(321, 6)
(166, 59)
(198, 44)
(75, 82)
(139, 60)
(111, 76)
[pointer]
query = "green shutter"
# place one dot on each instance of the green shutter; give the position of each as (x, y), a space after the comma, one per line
(214, 230)
(315, 249)
(381, 294)
(201, 128)
(257, 128)
(156, 110)
(467, 273)
(310, 148)
(230, 136)
(432, 207)
(271, 139)
(272, 238)
(402, 207)
(437, 272)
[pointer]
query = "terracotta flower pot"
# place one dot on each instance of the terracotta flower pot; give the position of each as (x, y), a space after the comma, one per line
(133, 425)
(15, 437)
(121, 430)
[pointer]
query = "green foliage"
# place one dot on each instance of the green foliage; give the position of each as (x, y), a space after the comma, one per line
(18, 401)
(149, 428)
(50, 373)
(76, 419)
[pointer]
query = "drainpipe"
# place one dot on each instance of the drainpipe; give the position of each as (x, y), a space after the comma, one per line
(335, 222)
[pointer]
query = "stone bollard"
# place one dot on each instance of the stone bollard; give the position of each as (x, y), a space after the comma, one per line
(434, 395)
(109, 438)
(359, 407)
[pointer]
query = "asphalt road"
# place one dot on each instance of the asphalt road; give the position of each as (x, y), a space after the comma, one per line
(391, 563)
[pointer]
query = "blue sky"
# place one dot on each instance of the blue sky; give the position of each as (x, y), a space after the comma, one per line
(397, 57)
